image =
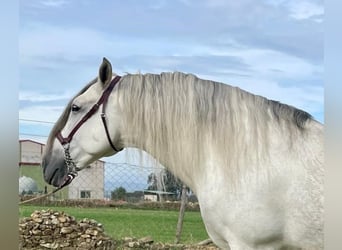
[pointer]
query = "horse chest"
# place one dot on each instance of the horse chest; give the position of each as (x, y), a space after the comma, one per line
(250, 214)
(249, 218)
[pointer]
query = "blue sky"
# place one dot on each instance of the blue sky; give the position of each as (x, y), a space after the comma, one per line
(272, 48)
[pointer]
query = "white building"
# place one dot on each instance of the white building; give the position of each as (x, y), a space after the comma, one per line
(89, 183)
(30, 152)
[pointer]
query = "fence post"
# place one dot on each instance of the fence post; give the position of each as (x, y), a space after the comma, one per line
(181, 214)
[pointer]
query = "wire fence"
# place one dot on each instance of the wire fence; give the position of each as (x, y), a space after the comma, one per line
(107, 181)
(113, 181)
(118, 185)
(101, 180)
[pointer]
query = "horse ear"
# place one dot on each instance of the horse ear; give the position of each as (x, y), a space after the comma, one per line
(105, 72)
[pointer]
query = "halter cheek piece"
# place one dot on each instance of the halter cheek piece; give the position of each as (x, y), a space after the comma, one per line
(65, 141)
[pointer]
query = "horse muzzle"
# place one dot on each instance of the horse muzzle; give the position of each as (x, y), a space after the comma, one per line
(55, 171)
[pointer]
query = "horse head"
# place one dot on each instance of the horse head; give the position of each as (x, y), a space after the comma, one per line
(83, 134)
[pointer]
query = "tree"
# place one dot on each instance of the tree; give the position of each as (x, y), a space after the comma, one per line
(152, 182)
(170, 182)
(119, 194)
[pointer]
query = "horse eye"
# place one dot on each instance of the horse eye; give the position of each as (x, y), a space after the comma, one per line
(75, 108)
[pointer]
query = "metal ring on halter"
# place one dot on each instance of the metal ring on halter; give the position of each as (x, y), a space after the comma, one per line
(68, 179)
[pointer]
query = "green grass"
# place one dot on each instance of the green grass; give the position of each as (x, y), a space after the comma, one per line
(119, 223)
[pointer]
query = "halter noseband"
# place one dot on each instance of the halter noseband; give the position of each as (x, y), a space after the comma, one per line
(65, 141)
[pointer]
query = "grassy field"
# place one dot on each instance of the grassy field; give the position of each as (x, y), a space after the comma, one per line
(119, 223)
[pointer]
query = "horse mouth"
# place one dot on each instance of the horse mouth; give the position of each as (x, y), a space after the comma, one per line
(67, 179)
(61, 182)
(53, 177)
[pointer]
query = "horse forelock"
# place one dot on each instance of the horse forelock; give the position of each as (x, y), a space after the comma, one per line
(60, 123)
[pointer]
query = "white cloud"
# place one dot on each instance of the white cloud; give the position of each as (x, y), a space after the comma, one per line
(308, 98)
(275, 2)
(62, 42)
(38, 97)
(271, 47)
(41, 113)
(54, 3)
(301, 9)
(75, 44)
(156, 5)
(186, 2)
(305, 10)
(269, 68)
(215, 3)
(38, 5)
(269, 64)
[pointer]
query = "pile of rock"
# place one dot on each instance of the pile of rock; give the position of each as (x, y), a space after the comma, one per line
(48, 229)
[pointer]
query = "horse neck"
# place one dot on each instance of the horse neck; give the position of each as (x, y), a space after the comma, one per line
(169, 156)
(171, 122)
(175, 131)
(156, 128)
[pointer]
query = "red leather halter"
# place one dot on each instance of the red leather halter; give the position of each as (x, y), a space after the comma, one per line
(65, 141)
(103, 100)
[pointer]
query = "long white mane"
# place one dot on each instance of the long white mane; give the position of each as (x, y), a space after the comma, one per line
(177, 115)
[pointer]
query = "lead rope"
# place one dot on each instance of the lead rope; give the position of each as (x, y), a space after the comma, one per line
(41, 196)
(68, 180)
